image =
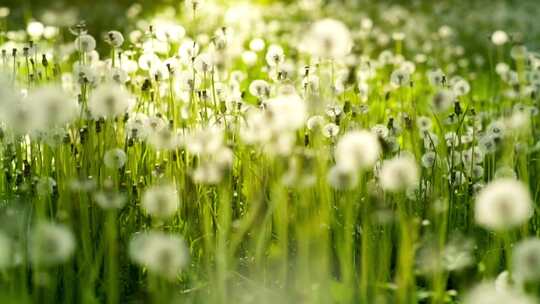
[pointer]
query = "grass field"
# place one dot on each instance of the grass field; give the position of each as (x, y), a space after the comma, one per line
(308, 152)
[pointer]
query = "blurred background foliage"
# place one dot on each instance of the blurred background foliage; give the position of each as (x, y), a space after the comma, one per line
(467, 17)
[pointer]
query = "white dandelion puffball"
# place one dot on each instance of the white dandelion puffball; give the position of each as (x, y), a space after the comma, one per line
(85, 43)
(341, 178)
(109, 100)
(502, 204)
(499, 37)
(399, 173)
(487, 293)
(443, 100)
(275, 55)
(115, 39)
(259, 88)
(109, 200)
(526, 260)
(289, 112)
(162, 254)
(51, 244)
(53, 106)
(328, 38)
(357, 150)
(115, 158)
(161, 201)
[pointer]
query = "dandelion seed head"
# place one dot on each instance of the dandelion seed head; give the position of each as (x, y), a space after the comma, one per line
(109, 100)
(502, 204)
(161, 254)
(328, 38)
(399, 173)
(85, 43)
(51, 244)
(357, 150)
(341, 178)
(114, 38)
(115, 158)
(526, 260)
(160, 201)
(442, 100)
(487, 293)
(499, 37)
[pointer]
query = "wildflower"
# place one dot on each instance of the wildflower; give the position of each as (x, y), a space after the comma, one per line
(161, 201)
(137, 125)
(35, 29)
(503, 282)
(442, 100)
(45, 186)
(330, 130)
(526, 260)
(328, 38)
(115, 158)
(424, 123)
(148, 60)
(460, 86)
(260, 89)
(458, 254)
(315, 122)
(487, 293)
(51, 244)
(289, 112)
(115, 39)
(85, 75)
(499, 37)
(204, 141)
(363, 91)
(119, 75)
(249, 58)
(207, 173)
(275, 55)
(502, 68)
(164, 138)
(52, 106)
(380, 130)
(503, 204)
(487, 144)
(342, 178)
(357, 150)
(257, 45)
(203, 63)
(399, 173)
(161, 254)
(399, 78)
(109, 199)
(85, 43)
(169, 31)
(473, 155)
(188, 50)
(108, 100)
(428, 159)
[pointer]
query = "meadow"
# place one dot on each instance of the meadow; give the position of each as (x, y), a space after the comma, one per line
(301, 152)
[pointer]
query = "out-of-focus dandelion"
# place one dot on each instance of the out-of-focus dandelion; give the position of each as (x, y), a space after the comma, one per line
(357, 150)
(161, 201)
(328, 38)
(503, 204)
(50, 244)
(162, 254)
(399, 173)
